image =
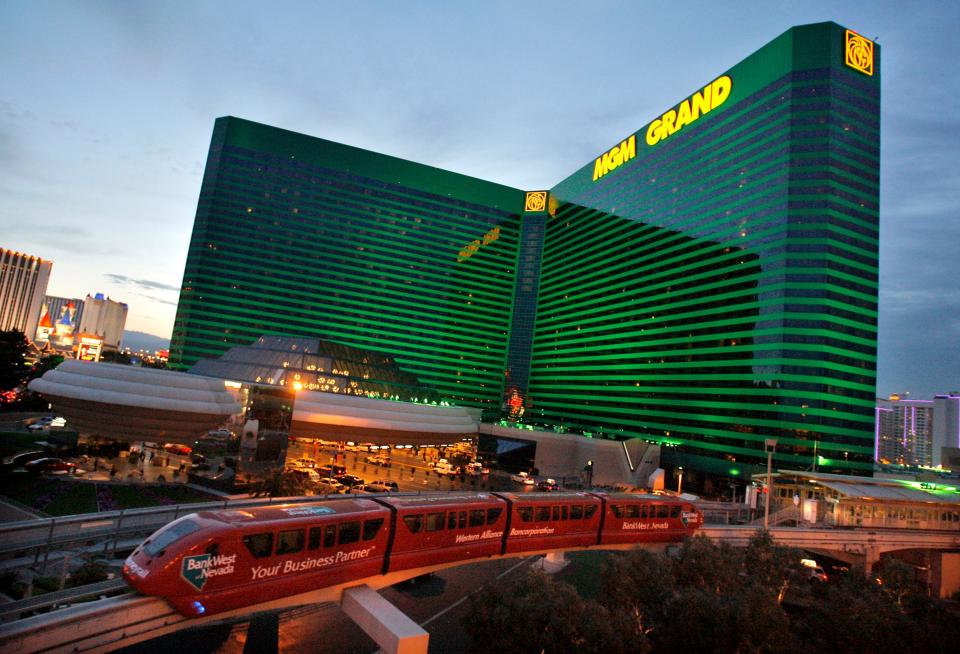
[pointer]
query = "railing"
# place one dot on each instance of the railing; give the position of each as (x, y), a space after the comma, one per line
(61, 598)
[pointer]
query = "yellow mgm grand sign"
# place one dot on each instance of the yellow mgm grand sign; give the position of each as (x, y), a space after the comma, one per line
(704, 101)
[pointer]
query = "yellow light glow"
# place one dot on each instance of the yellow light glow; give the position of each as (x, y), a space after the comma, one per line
(297, 386)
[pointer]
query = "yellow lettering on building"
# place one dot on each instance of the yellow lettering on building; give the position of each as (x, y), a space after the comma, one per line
(472, 248)
(712, 96)
(615, 157)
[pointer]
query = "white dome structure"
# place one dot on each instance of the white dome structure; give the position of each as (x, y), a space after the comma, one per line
(132, 404)
(345, 417)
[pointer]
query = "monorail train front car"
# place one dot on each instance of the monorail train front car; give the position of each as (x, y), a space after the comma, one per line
(214, 561)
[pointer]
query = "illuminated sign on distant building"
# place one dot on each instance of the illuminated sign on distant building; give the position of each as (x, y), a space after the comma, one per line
(89, 348)
(712, 96)
(859, 53)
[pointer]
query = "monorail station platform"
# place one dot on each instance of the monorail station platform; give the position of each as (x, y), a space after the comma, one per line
(816, 499)
(848, 501)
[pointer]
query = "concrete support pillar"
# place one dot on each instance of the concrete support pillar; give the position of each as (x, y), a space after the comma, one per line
(871, 555)
(392, 630)
(553, 563)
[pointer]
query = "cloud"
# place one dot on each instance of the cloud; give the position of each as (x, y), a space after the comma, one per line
(156, 299)
(148, 284)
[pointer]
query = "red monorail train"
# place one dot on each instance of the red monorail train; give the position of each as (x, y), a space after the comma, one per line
(213, 561)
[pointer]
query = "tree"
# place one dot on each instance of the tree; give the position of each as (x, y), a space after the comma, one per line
(545, 616)
(13, 353)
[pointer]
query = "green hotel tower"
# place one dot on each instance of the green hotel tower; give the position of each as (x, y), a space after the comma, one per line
(708, 282)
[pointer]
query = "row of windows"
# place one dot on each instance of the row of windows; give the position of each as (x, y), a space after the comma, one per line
(454, 520)
(645, 511)
(563, 512)
(292, 541)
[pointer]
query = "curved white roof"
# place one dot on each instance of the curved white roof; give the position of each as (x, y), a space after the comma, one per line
(350, 411)
(147, 388)
(127, 403)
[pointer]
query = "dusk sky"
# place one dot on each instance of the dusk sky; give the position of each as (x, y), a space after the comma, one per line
(106, 112)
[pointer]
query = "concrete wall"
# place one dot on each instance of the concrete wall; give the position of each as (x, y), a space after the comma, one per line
(565, 455)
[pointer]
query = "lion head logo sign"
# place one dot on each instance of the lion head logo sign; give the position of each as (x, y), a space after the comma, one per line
(859, 53)
(536, 201)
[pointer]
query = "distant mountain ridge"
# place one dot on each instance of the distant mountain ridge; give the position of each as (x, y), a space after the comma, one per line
(144, 341)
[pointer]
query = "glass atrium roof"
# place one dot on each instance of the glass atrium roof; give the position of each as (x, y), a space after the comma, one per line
(313, 364)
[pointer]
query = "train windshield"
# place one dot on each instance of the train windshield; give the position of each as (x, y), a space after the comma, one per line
(170, 535)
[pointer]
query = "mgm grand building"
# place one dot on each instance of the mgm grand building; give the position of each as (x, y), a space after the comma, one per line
(706, 285)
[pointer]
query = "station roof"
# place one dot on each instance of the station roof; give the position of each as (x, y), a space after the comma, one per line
(878, 488)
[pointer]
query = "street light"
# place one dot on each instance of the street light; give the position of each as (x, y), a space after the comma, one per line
(769, 445)
(680, 480)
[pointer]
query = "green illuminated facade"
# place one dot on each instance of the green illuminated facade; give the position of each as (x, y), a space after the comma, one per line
(708, 287)
(299, 236)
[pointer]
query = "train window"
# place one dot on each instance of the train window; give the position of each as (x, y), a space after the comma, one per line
(643, 511)
(564, 513)
(452, 520)
(631, 511)
(617, 510)
(170, 535)
(289, 542)
(462, 520)
(576, 512)
(371, 528)
(589, 510)
(556, 513)
(349, 533)
(414, 523)
(525, 513)
(330, 536)
(493, 515)
(435, 521)
(477, 517)
(674, 511)
(314, 537)
(260, 545)
(541, 513)
(663, 511)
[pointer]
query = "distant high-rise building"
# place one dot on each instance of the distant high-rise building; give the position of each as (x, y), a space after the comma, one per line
(23, 285)
(946, 424)
(104, 318)
(904, 431)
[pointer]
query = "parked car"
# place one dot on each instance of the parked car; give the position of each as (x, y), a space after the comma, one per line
(20, 458)
(367, 489)
(548, 484)
(328, 485)
(332, 470)
(349, 480)
(476, 469)
(307, 473)
(50, 464)
(378, 460)
(384, 486)
(523, 478)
